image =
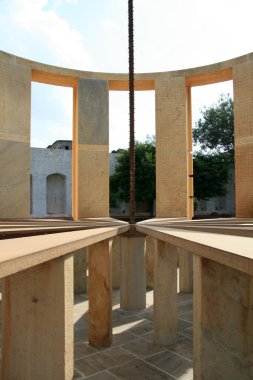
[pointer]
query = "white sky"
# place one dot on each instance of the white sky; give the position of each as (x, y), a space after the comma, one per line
(92, 35)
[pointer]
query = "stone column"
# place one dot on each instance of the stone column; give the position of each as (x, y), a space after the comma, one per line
(151, 247)
(165, 294)
(133, 271)
(223, 320)
(172, 150)
(38, 322)
(91, 163)
(243, 116)
(116, 252)
(100, 295)
(185, 271)
(15, 105)
(80, 271)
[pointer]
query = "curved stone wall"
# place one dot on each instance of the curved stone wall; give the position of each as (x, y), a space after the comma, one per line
(91, 131)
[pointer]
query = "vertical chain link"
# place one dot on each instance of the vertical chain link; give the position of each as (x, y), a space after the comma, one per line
(131, 110)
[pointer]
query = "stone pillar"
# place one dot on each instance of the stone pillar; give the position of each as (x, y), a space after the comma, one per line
(91, 188)
(15, 104)
(185, 271)
(100, 295)
(38, 322)
(165, 294)
(80, 271)
(243, 116)
(116, 252)
(172, 149)
(223, 320)
(133, 271)
(151, 247)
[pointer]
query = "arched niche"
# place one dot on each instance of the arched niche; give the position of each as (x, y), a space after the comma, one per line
(56, 194)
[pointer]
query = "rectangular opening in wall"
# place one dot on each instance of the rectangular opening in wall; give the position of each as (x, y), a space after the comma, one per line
(51, 151)
(144, 154)
(213, 150)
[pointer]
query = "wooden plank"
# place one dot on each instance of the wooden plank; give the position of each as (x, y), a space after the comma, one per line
(23, 253)
(233, 251)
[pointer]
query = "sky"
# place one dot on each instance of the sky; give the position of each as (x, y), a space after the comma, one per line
(92, 35)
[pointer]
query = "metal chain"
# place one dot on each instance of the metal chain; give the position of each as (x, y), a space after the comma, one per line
(131, 110)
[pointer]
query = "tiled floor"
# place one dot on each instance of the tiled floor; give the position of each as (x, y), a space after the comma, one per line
(133, 354)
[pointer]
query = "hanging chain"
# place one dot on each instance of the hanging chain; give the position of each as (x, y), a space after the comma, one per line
(131, 110)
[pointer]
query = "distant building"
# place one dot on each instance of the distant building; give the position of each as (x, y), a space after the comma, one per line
(51, 186)
(51, 180)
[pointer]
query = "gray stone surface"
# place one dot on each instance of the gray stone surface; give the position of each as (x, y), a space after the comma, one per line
(133, 355)
(93, 112)
(45, 162)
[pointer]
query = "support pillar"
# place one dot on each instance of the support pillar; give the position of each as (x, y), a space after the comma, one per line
(91, 150)
(151, 247)
(116, 252)
(223, 320)
(38, 322)
(165, 294)
(100, 295)
(80, 271)
(243, 131)
(15, 110)
(185, 271)
(133, 272)
(173, 197)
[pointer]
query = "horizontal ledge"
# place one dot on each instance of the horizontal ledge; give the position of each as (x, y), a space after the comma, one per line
(23, 253)
(233, 251)
(139, 85)
(209, 78)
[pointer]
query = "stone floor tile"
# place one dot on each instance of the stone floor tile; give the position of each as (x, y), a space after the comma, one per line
(142, 348)
(104, 375)
(183, 347)
(187, 316)
(173, 364)
(77, 375)
(122, 338)
(126, 322)
(184, 297)
(139, 370)
(83, 349)
(142, 328)
(182, 324)
(184, 308)
(81, 335)
(187, 332)
(103, 360)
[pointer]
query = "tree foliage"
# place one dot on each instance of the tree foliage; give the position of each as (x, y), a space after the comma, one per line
(144, 174)
(214, 133)
(215, 130)
(211, 175)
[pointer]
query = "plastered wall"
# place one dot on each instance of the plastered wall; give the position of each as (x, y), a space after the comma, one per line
(15, 95)
(93, 148)
(90, 133)
(243, 114)
(171, 148)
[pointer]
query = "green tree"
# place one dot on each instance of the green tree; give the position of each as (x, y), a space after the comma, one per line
(144, 175)
(214, 131)
(214, 134)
